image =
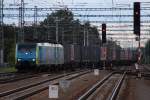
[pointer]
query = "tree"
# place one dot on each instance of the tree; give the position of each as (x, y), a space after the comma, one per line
(9, 44)
(70, 31)
(146, 52)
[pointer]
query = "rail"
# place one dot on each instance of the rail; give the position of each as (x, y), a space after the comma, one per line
(90, 91)
(117, 88)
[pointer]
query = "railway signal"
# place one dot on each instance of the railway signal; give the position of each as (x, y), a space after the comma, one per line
(104, 42)
(137, 25)
(103, 33)
(137, 18)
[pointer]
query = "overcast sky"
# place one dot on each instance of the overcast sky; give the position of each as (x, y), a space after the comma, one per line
(79, 4)
(92, 3)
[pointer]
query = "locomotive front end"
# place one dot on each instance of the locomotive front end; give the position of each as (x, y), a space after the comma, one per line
(25, 56)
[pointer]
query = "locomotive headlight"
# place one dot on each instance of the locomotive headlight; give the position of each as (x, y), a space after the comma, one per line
(19, 59)
(33, 59)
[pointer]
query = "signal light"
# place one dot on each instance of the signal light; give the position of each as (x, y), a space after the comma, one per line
(137, 18)
(136, 13)
(104, 30)
(103, 33)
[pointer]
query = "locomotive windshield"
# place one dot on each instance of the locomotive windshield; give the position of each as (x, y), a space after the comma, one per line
(26, 48)
(26, 51)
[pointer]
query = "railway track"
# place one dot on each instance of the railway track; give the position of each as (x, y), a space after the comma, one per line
(26, 91)
(4, 75)
(12, 77)
(15, 76)
(103, 90)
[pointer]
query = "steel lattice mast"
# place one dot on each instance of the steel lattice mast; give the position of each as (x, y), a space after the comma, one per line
(1, 33)
(21, 23)
(35, 24)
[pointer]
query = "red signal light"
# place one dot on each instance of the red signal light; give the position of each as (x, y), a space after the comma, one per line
(104, 30)
(136, 13)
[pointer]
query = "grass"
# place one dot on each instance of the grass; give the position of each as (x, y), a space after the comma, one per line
(7, 69)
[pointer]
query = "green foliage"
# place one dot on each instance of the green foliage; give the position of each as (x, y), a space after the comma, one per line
(69, 30)
(147, 48)
(7, 69)
(9, 44)
(146, 52)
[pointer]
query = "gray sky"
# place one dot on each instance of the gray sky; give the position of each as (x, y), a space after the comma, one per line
(84, 3)
(91, 3)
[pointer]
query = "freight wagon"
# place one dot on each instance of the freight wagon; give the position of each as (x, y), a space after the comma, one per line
(90, 55)
(72, 56)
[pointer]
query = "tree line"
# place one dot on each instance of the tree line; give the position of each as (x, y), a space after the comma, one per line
(146, 53)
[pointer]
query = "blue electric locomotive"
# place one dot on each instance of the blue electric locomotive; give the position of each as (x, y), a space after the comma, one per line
(25, 56)
(31, 56)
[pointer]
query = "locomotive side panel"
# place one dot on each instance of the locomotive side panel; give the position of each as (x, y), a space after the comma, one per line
(50, 54)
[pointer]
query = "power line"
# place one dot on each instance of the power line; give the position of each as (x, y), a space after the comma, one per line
(78, 9)
(126, 30)
(75, 15)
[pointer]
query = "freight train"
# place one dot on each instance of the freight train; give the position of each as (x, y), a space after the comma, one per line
(48, 56)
